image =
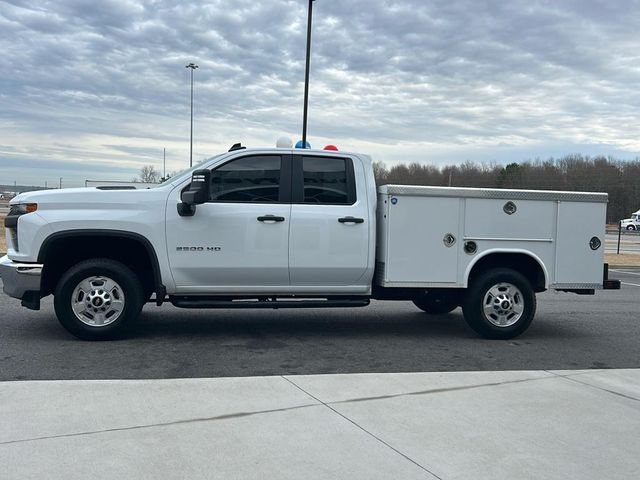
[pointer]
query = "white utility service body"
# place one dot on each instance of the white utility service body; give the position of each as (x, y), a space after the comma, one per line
(291, 228)
(415, 249)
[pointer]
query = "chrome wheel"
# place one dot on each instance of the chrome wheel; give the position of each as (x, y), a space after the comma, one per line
(97, 301)
(503, 304)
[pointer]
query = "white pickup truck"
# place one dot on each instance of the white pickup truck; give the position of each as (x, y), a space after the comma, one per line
(287, 228)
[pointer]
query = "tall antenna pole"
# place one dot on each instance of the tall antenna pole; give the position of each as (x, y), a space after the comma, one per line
(164, 163)
(306, 77)
(191, 66)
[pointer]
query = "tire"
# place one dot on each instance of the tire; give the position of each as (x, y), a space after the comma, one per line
(98, 299)
(631, 227)
(499, 304)
(435, 304)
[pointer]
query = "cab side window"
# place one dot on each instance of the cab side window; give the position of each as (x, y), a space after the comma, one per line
(253, 179)
(327, 181)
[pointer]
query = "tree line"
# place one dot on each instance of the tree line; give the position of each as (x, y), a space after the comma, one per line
(620, 179)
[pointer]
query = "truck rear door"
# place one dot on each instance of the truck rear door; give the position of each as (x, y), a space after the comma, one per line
(329, 231)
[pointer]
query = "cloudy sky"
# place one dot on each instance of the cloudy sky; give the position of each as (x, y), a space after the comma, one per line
(95, 89)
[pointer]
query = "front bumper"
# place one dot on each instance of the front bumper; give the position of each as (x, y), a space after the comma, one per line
(20, 280)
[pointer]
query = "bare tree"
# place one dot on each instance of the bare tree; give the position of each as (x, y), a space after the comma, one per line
(148, 174)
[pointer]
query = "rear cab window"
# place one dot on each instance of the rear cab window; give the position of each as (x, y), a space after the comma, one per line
(324, 180)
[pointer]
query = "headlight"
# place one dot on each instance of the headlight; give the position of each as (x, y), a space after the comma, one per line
(22, 208)
(11, 220)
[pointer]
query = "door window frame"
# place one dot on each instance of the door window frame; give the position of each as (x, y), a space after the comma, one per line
(284, 187)
(297, 180)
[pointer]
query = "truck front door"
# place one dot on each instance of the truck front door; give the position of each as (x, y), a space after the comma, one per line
(329, 235)
(238, 242)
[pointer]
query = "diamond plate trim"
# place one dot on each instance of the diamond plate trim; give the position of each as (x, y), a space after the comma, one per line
(577, 286)
(422, 191)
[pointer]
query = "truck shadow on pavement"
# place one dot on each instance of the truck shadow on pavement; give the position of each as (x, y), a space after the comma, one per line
(170, 323)
(328, 326)
(324, 324)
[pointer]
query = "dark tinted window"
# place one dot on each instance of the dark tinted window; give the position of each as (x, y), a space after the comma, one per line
(248, 179)
(325, 180)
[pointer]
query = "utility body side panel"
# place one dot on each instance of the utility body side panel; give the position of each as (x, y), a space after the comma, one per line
(410, 248)
(422, 233)
(574, 260)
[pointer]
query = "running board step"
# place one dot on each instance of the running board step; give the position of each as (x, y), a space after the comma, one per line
(212, 302)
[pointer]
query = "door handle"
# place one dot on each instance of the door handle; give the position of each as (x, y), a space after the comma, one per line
(270, 218)
(351, 220)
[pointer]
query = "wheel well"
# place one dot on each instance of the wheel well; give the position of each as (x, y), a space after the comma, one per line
(60, 253)
(520, 262)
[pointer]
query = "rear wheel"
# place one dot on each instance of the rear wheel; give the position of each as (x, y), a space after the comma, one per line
(98, 299)
(500, 304)
(435, 304)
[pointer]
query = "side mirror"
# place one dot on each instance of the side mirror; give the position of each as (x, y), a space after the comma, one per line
(198, 193)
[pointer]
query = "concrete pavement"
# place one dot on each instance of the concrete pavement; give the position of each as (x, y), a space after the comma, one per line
(517, 424)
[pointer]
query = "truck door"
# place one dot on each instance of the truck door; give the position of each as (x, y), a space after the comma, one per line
(239, 240)
(329, 234)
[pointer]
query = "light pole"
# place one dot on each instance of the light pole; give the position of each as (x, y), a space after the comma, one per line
(306, 77)
(192, 66)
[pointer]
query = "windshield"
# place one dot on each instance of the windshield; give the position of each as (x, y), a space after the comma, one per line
(181, 173)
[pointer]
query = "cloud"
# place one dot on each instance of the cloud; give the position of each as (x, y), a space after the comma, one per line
(103, 85)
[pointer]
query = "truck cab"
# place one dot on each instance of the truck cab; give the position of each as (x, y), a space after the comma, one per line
(632, 223)
(277, 223)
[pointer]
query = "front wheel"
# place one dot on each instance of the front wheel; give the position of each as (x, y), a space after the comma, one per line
(98, 299)
(631, 227)
(499, 304)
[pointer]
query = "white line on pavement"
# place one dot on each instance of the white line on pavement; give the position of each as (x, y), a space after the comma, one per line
(622, 271)
(632, 284)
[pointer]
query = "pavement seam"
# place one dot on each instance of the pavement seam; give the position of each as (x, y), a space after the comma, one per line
(574, 374)
(575, 380)
(162, 424)
(438, 390)
(405, 456)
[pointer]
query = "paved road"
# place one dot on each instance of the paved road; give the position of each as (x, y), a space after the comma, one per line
(570, 332)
